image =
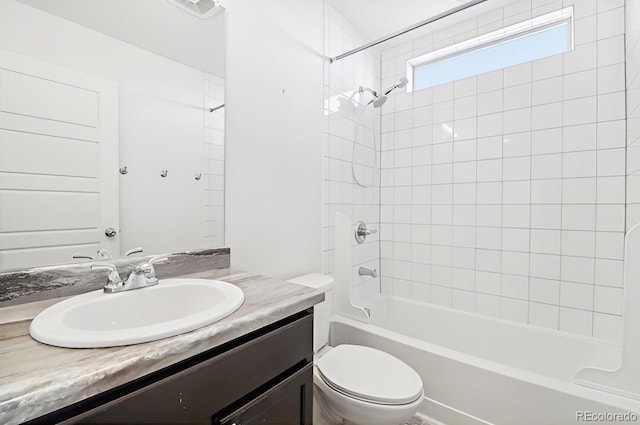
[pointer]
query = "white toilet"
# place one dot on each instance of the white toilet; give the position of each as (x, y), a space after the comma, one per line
(356, 384)
(363, 385)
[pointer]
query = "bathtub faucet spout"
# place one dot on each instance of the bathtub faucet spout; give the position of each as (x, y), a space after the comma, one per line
(363, 271)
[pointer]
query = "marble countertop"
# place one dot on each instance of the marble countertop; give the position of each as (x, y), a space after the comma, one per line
(36, 379)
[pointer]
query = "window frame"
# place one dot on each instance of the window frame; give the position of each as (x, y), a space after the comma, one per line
(548, 21)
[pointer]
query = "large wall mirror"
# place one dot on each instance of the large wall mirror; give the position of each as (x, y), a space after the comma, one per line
(111, 128)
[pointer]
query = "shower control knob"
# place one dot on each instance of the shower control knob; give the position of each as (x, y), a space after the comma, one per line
(362, 232)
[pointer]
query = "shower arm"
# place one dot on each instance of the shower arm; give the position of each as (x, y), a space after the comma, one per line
(367, 89)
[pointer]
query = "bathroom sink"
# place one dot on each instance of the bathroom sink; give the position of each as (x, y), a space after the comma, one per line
(171, 307)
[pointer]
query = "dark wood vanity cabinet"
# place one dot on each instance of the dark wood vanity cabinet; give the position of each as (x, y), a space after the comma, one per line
(265, 377)
(287, 403)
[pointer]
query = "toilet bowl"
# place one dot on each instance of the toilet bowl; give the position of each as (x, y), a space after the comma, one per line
(365, 386)
(354, 384)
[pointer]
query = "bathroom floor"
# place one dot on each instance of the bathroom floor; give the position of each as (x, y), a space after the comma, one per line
(416, 420)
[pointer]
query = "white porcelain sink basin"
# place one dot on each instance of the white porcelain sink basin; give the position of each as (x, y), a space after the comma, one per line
(171, 307)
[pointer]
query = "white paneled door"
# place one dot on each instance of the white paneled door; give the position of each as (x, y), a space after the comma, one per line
(58, 163)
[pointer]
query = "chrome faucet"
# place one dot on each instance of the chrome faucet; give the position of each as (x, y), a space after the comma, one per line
(142, 276)
(105, 254)
(114, 280)
(361, 231)
(102, 254)
(133, 251)
(363, 271)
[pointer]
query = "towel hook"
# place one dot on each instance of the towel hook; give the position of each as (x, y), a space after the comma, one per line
(164, 173)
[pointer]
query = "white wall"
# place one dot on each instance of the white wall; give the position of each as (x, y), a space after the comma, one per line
(343, 109)
(274, 135)
(633, 112)
(214, 152)
(520, 215)
(162, 124)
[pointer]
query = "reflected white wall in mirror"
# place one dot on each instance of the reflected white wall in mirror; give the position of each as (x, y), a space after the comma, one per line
(97, 89)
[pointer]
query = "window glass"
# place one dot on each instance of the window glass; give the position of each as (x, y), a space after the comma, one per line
(497, 54)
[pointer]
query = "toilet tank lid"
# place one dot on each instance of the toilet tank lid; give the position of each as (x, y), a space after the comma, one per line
(314, 280)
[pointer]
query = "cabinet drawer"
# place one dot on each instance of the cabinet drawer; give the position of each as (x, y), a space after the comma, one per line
(196, 394)
(287, 403)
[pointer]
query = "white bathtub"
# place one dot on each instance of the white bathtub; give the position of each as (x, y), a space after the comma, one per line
(479, 370)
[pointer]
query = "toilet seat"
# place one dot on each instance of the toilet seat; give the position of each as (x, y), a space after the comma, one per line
(369, 375)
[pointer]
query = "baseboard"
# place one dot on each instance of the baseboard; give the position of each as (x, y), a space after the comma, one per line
(427, 420)
(436, 413)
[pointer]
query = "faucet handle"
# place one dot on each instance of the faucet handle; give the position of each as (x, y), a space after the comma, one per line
(147, 266)
(104, 254)
(362, 232)
(79, 256)
(133, 251)
(114, 278)
(157, 259)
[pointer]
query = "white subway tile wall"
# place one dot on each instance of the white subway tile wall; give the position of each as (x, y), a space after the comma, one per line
(504, 194)
(213, 179)
(342, 110)
(633, 112)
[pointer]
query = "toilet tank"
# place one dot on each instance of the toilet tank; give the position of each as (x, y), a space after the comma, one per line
(322, 311)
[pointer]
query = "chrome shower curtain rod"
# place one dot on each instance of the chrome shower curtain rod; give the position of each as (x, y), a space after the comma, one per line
(408, 29)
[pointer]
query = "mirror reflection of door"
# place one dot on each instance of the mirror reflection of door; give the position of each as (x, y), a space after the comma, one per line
(60, 185)
(58, 163)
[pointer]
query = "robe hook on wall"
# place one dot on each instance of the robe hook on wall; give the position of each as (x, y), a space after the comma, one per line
(123, 170)
(198, 176)
(164, 173)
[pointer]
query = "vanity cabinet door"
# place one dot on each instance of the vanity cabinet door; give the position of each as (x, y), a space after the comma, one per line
(272, 363)
(288, 403)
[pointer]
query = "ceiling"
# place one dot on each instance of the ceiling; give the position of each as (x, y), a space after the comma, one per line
(376, 19)
(154, 25)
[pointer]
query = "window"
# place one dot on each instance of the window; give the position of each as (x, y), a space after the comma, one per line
(537, 38)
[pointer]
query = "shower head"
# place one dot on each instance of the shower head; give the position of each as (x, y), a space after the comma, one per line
(378, 100)
(401, 84)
